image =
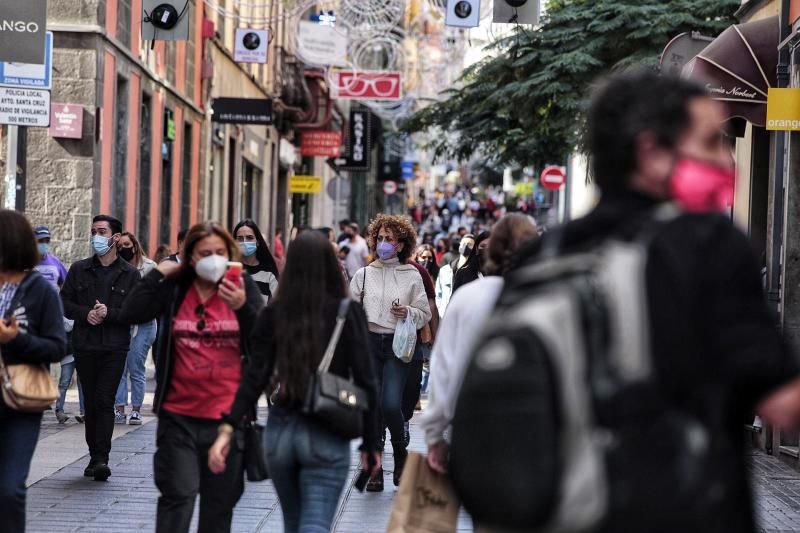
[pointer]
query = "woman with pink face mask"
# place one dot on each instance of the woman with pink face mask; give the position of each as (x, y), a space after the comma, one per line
(390, 291)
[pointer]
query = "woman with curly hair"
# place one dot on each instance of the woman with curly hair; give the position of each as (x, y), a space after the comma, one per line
(390, 290)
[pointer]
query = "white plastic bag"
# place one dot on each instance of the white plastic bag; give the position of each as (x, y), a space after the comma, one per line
(405, 339)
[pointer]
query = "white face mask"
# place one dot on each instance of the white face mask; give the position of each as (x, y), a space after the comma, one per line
(211, 268)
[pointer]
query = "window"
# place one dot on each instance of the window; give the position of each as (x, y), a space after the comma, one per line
(145, 161)
(190, 48)
(124, 22)
(166, 182)
(186, 177)
(120, 169)
(170, 53)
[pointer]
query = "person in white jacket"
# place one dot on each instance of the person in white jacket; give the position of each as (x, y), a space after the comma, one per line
(461, 327)
(390, 292)
(444, 283)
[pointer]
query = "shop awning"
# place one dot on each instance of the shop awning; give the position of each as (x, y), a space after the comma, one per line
(738, 68)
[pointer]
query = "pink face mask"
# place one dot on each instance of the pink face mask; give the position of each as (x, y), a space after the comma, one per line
(701, 187)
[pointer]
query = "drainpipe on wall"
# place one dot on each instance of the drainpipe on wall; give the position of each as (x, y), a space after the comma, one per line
(778, 193)
(778, 186)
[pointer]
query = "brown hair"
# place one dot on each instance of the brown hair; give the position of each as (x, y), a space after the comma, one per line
(197, 233)
(18, 251)
(161, 252)
(403, 231)
(507, 236)
(138, 253)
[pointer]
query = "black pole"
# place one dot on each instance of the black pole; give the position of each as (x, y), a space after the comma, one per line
(779, 149)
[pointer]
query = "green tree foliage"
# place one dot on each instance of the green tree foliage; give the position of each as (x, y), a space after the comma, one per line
(524, 105)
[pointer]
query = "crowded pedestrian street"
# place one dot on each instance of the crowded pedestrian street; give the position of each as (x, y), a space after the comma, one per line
(414, 266)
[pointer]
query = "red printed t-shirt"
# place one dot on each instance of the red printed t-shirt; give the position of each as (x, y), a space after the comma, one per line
(208, 365)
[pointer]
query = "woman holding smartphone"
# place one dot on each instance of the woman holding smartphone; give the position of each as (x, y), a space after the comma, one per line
(308, 463)
(210, 311)
(390, 291)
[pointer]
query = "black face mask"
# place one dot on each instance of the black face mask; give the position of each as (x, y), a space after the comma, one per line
(126, 254)
(467, 251)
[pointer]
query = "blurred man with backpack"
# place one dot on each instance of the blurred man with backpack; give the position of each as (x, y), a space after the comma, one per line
(608, 389)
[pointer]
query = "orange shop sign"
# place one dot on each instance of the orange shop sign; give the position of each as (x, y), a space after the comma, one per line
(320, 143)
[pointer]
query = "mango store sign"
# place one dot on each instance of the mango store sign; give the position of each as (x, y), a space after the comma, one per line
(783, 109)
(66, 121)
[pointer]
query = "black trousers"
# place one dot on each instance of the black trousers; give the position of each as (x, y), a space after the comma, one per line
(181, 472)
(413, 387)
(100, 374)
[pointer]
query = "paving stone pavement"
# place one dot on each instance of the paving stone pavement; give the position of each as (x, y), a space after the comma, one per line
(66, 501)
(776, 494)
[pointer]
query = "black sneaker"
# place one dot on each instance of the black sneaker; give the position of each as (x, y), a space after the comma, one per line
(89, 470)
(101, 472)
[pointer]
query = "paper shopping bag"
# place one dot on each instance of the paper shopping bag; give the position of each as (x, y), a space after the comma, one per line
(426, 501)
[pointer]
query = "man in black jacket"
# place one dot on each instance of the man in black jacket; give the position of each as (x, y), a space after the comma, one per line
(717, 354)
(93, 294)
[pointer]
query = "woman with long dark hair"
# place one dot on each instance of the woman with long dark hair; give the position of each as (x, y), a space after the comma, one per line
(31, 332)
(257, 258)
(307, 462)
(210, 313)
(473, 268)
(426, 256)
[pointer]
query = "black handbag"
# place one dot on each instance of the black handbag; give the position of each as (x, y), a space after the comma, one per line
(255, 460)
(334, 402)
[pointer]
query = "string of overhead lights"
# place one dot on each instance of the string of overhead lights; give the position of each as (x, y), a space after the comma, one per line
(376, 41)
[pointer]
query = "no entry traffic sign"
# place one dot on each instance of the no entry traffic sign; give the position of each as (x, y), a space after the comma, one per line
(553, 177)
(389, 187)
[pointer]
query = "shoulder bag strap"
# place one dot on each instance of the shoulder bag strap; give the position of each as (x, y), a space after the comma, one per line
(364, 285)
(341, 317)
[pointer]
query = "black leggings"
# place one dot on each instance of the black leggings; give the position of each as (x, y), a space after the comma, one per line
(181, 472)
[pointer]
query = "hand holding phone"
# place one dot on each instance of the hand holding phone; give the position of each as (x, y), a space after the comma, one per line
(234, 273)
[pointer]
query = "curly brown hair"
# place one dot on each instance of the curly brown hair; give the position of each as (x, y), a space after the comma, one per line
(403, 231)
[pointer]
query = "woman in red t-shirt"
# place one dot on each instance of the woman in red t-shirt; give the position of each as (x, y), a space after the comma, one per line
(209, 314)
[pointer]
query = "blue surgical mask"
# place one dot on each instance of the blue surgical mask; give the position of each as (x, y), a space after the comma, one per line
(44, 248)
(386, 250)
(101, 245)
(248, 248)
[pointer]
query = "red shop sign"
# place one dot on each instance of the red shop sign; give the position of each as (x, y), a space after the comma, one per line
(366, 85)
(321, 143)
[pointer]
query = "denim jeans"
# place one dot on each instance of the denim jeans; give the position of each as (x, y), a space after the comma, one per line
(134, 365)
(426, 368)
(308, 466)
(392, 374)
(63, 384)
(17, 441)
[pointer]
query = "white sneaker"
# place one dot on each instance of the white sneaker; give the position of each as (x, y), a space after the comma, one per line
(120, 418)
(757, 423)
(135, 419)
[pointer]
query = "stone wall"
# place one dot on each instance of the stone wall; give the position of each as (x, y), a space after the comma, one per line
(63, 174)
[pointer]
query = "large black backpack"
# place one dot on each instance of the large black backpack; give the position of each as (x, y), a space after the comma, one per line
(560, 426)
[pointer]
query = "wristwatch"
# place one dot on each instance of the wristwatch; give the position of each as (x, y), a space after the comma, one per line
(225, 428)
